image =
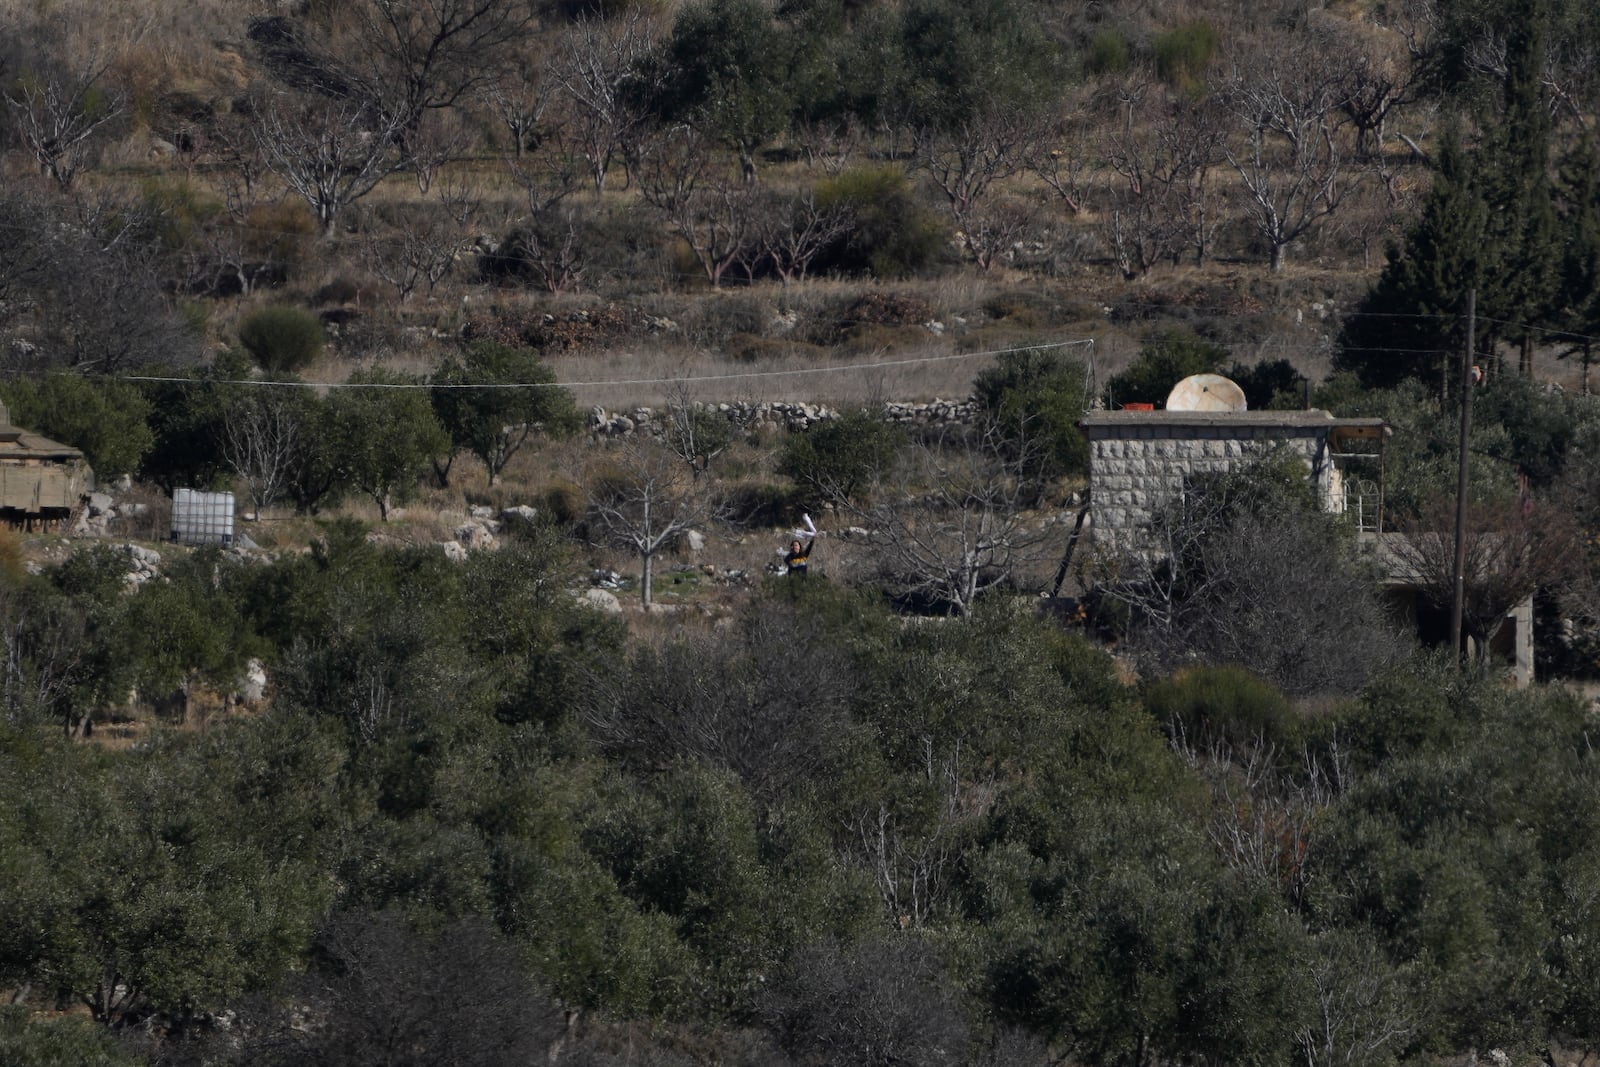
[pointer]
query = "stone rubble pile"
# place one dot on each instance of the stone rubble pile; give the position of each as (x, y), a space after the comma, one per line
(95, 519)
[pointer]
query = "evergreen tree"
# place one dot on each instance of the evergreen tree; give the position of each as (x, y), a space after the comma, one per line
(1520, 242)
(1578, 194)
(1410, 320)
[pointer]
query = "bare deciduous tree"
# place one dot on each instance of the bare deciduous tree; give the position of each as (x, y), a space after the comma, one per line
(1512, 549)
(58, 110)
(547, 242)
(696, 433)
(424, 245)
(792, 231)
(831, 143)
(703, 202)
(1363, 1006)
(867, 1005)
(950, 521)
(1377, 77)
(966, 161)
(261, 437)
(332, 152)
(413, 58)
(519, 95)
(98, 306)
(1057, 159)
(600, 58)
(1162, 154)
(647, 504)
(762, 699)
(1292, 162)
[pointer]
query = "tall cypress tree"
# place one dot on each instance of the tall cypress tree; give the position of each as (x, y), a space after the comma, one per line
(1578, 198)
(1522, 275)
(1410, 321)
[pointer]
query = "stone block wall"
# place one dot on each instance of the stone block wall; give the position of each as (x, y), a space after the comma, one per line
(794, 416)
(1135, 470)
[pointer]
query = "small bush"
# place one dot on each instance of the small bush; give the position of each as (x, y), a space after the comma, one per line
(282, 339)
(870, 338)
(748, 348)
(889, 309)
(1161, 364)
(281, 233)
(338, 291)
(1182, 54)
(1224, 703)
(10, 553)
(714, 322)
(564, 502)
(896, 234)
(1108, 53)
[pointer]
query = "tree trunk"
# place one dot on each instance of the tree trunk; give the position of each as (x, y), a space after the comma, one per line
(644, 582)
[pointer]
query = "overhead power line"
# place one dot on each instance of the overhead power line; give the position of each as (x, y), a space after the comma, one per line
(676, 380)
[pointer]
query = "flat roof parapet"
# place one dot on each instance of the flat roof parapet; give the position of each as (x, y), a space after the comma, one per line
(1313, 418)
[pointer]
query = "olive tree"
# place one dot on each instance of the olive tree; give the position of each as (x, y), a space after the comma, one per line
(384, 434)
(492, 398)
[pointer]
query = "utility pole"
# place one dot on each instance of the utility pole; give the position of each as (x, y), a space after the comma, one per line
(1460, 572)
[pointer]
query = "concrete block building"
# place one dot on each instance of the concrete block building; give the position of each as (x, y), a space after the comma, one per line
(1140, 460)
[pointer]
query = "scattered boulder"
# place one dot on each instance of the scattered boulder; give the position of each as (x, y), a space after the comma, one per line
(476, 536)
(253, 686)
(522, 513)
(602, 600)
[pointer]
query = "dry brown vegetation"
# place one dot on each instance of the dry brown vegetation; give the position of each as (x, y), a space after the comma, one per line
(182, 74)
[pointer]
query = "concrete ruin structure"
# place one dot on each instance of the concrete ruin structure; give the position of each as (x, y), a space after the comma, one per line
(41, 481)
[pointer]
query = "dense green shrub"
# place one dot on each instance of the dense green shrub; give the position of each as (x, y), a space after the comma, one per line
(27, 1039)
(1163, 362)
(484, 417)
(564, 501)
(1108, 53)
(839, 456)
(1224, 703)
(895, 234)
(1270, 384)
(1183, 53)
(104, 418)
(282, 339)
(762, 505)
(1035, 398)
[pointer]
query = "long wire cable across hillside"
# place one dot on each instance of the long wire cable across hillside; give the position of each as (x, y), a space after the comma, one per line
(681, 379)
